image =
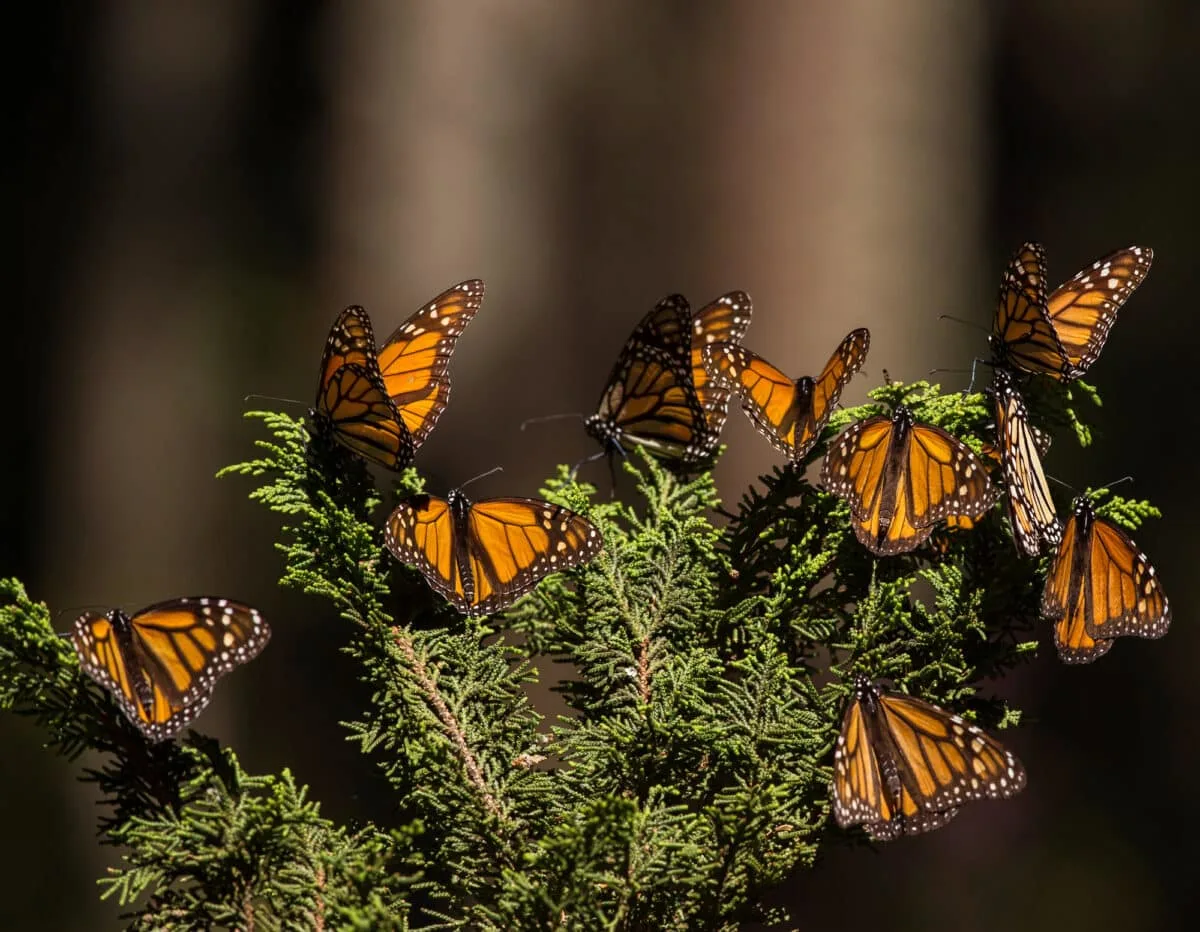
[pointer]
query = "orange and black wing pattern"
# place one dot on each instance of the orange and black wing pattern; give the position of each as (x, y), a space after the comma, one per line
(903, 766)
(161, 663)
(650, 399)
(415, 360)
(1100, 587)
(901, 478)
(1031, 511)
(483, 556)
(723, 322)
(1062, 334)
(352, 400)
(790, 414)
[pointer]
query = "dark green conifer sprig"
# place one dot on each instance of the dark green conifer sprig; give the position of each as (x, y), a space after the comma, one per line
(707, 665)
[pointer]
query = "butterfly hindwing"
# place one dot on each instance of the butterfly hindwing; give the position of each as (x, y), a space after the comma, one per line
(904, 766)
(161, 663)
(483, 556)
(722, 322)
(415, 360)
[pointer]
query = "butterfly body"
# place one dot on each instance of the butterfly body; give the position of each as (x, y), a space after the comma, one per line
(1031, 510)
(1061, 334)
(901, 477)
(483, 556)
(903, 766)
(1100, 587)
(790, 413)
(382, 404)
(161, 663)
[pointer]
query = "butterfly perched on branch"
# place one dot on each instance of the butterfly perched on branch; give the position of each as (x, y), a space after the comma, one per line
(383, 403)
(160, 664)
(483, 556)
(903, 766)
(1100, 587)
(901, 478)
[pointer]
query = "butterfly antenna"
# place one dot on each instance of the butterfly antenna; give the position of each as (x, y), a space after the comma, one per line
(76, 610)
(974, 325)
(1105, 488)
(549, 417)
(585, 461)
(482, 475)
(285, 401)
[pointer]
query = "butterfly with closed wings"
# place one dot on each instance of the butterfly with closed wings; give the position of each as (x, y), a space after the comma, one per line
(382, 404)
(790, 414)
(1031, 510)
(901, 478)
(160, 664)
(1061, 335)
(659, 395)
(483, 556)
(903, 766)
(1100, 587)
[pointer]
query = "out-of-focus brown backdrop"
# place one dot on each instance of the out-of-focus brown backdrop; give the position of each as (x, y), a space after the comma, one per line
(199, 187)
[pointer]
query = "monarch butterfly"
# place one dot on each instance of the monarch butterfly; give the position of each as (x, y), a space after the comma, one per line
(383, 404)
(658, 395)
(160, 664)
(901, 478)
(903, 766)
(791, 414)
(1100, 587)
(484, 556)
(1030, 507)
(1062, 335)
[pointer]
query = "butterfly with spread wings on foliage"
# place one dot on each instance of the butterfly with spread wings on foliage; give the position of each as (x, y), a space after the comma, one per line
(903, 766)
(659, 395)
(483, 556)
(1031, 511)
(160, 664)
(1100, 587)
(382, 404)
(790, 414)
(901, 478)
(1063, 334)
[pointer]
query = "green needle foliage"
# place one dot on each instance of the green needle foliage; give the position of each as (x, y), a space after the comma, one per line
(705, 657)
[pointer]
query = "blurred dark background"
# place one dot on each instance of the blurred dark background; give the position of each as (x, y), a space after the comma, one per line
(197, 189)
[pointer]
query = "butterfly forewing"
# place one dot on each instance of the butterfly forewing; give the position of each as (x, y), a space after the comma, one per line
(1084, 309)
(724, 321)
(351, 340)
(415, 360)
(161, 664)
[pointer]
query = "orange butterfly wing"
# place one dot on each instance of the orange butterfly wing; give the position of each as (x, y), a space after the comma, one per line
(415, 361)
(724, 321)
(1031, 509)
(420, 532)
(1083, 310)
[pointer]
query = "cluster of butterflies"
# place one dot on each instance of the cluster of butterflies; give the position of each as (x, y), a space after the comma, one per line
(901, 765)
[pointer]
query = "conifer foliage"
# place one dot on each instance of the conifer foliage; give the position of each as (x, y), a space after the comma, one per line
(706, 657)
